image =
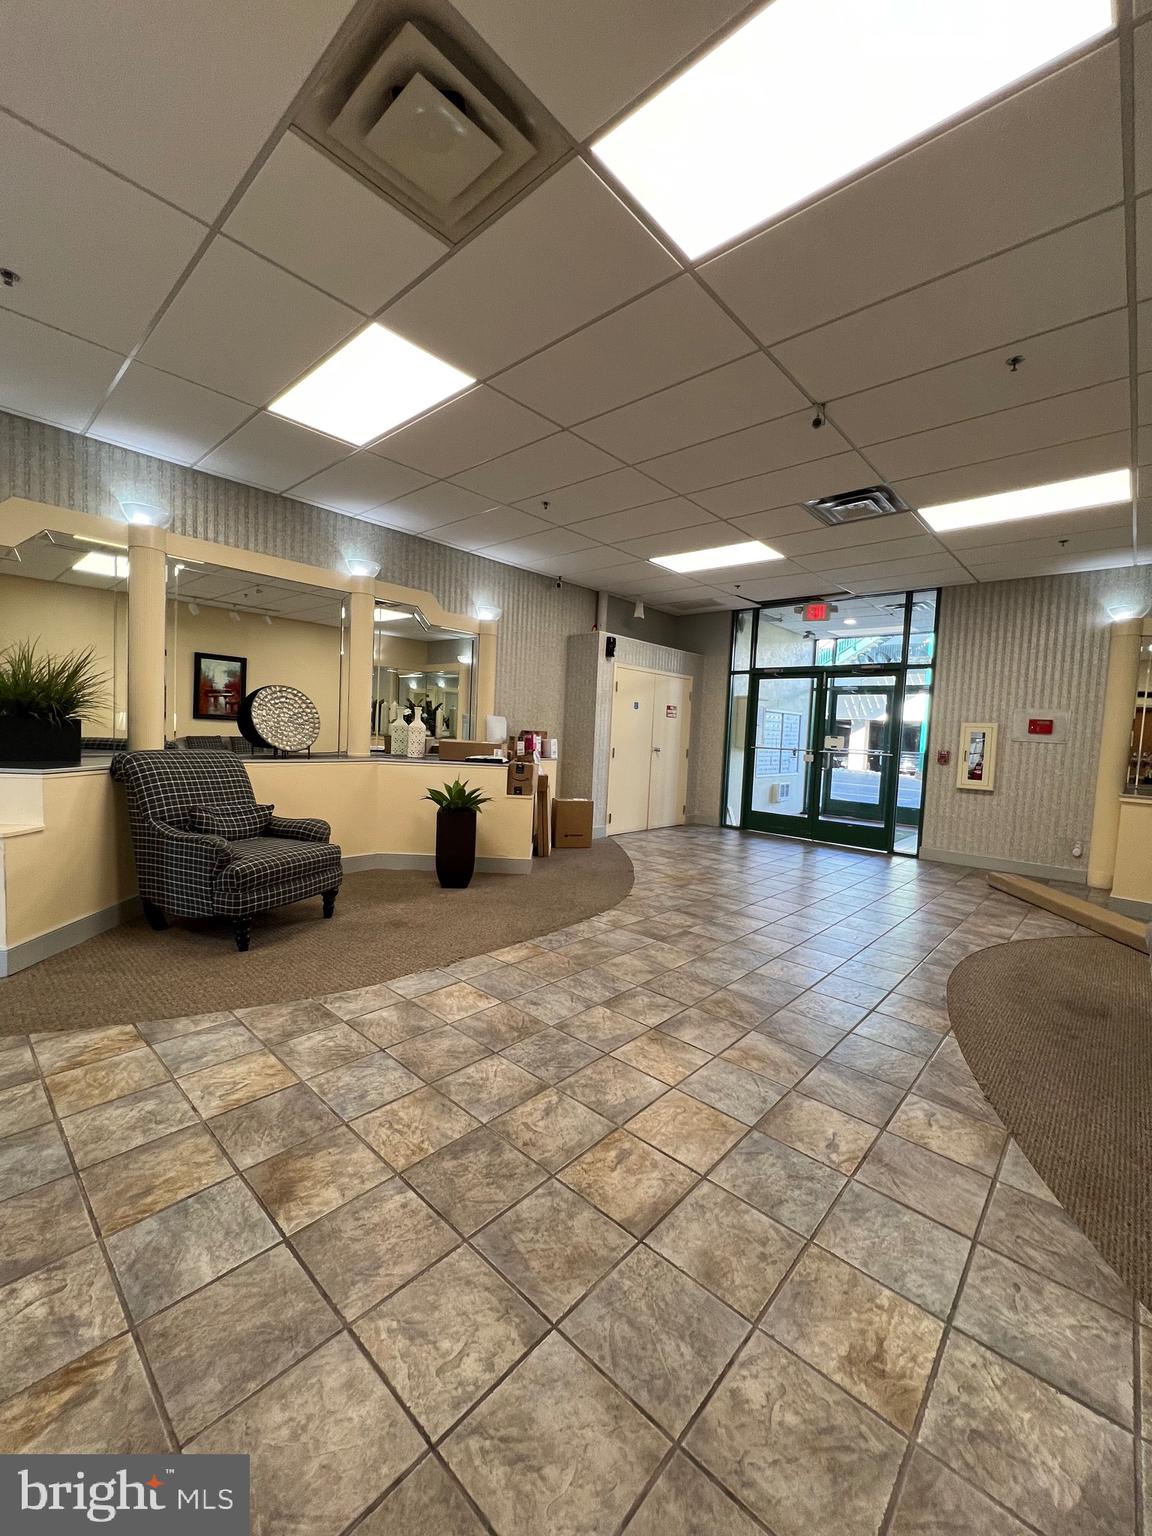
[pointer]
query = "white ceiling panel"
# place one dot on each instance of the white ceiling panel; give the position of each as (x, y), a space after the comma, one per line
(778, 589)
(860, 244)
(467, 431)
(776, 524)
(1084, 413)
(1090, 456)
(1144, 248)
(702, 535)
(1037, 530)
(587, 61)
(542, 466)
(637, 522)
(1142, 56)
(947, 576)
(51, 376)
(542, 546)
(905, 571)
(273, 453)
(1144, 333)
(587, 562)
(107, 284)
(803, 482)
(322, 223)
(1073, 357)
(1053, 281)
(857, 556)
(177, 97)
(432, 507)
(818, 540)
(490, 527)
(359, 483)
(757, 450)
(666, 336)
(244, 327)
(1023, 566)
(738, 395)
(158, 413)
(1067, 545)
(565, 255)
(613, 492)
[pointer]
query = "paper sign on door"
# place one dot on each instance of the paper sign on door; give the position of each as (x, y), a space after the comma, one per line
(670, 711)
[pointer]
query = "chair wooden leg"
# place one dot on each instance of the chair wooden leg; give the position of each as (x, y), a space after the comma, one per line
(329, 903)
(242, 927)
(155, 916)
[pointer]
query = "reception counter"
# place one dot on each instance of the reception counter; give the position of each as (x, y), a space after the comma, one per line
(1132, 877)
(66, 868)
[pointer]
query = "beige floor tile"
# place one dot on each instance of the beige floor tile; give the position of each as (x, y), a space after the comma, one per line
(109, 1078)
(305, 1182)
(215, 1090)
(935, 1502)
(17, 1063)
(126, 1189)
(866, 1098)
(437, 1053)
(323, 1050)
(801, 1030)
(420, 982)
(783, 1183)
(170, 1029)
(933, 1185)
(783, 1064)
(55, 1314)
(825, 1133)
(553, 1246)
(602, 1027)
(555, 1448)
(428, 1502)
(1019, 1172)
(200, 1048)
(29, 1158)
(551, 1128)
(683, 1502)
(703, 1030)
(472, 1180)
(398, 1021)
(23, 1107)
(738, 1253)
(410, 1128)
(365, 1084)
(83, 1047)
(41, 1225)
(629, 1181)
(489, 1087)
(552, 1005)
(275, 1023)
(455, 1001)
(661, 1056)
(688, 1130)
(1039, 1235)
(645, 1006)
(109, 1129)
(360, 1001)
(744, 1095)
(971, 1142)
(877, 1060)
(902, 1036)
(951, 1083)
(612, 1088)
(801, 1453)
(897, 1246)
(100, 1403)
(551, 1055)
(500, 1026)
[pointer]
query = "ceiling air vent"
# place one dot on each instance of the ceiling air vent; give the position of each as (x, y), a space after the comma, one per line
(857, 506)
(433, 119)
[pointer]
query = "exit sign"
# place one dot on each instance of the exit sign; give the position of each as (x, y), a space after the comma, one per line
(815, 613)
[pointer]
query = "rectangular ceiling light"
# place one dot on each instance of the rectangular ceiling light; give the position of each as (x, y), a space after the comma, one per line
(809, 91)
(375, 381)
(715, 559)
(96, 564)
(1106, 490)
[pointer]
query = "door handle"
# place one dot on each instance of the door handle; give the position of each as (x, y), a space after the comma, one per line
(655, 749)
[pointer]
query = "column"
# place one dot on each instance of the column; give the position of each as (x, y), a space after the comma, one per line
(485, 681)
(147, 596)
(1115, 742)
(361, 639)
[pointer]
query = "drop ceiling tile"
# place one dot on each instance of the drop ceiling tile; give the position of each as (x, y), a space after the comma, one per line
(637, 522)
(651, 343)
(1144, 333)
(273, 453)
(757, 450)
(803, 482)
(1069, 544)
(1056, 149)
(158, 413)
(1072, 357)
(542, 466)
(498, 523)
(51, 376)
(773, 589)
(1142, 56)
(908, 569)
(705, 534)
(585, 62)
(1144, 247)
(244, 327)
(359, 483)
(1053, 281)
(541, 546)
(775, 526)
(1022, 566)
(819, 540)
(431, 507)
(861, 555)
(587, 561)
(1089, 456)
(312, 216)
(178, 98)
(966, 541)
(566, 254)
(1083, 413)
(96, 256)
(467, 431)
(740, 394)
(947, 576)
(613, 492)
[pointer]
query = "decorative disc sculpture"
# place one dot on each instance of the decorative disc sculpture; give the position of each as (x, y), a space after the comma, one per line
(279, 717)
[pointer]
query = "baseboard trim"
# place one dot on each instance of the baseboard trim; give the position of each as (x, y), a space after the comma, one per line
(1009, 866)
(1113, 925)
(485, 864)
(54, 942)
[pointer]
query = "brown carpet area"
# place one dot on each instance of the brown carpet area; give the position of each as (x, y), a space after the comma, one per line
(1058, 1033)
(388, 923)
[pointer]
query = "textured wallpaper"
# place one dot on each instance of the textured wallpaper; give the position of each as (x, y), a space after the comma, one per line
(1040, 644)
(48, 464)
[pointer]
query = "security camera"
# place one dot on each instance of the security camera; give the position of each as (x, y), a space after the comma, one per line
(559, 582)
(819, 419)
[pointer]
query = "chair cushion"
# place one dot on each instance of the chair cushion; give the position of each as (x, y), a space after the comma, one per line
(269, 871)
(233, 821)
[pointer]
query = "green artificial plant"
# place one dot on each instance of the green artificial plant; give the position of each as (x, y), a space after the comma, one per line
(49, 688)
(458, 797)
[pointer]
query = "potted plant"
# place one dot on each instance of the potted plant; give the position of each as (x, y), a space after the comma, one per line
(42, 702)
(457, 808)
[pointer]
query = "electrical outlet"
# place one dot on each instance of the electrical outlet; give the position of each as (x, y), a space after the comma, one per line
(1077, 850)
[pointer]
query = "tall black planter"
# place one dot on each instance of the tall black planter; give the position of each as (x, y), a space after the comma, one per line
(28, 743)
(455, 848)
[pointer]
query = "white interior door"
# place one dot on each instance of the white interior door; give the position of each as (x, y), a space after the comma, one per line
(671, 726)
(630, 767)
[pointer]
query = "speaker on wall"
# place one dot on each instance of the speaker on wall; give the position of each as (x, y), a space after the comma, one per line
(610, 647)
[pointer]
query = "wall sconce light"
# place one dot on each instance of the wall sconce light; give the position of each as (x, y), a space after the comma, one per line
(143, 514)
(465, 658)
(487, 615)
(193, 609)
(1120, 613)
(267, 618)
(361, 567)
(234, 616)
(638, 611)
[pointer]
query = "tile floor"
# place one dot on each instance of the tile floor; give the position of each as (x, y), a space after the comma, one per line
(687, 1221)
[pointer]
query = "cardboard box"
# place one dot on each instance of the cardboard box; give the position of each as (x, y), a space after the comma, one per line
(452, 751)
(522, 778)
(572, 823)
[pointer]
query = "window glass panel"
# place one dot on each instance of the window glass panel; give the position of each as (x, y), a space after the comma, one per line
(742, 639)
(922, 633)
(737, 740)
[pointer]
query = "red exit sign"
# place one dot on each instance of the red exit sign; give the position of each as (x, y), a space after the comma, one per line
(815, 613)
(1040, 727)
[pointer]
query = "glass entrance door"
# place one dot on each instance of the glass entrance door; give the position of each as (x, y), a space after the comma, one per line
(779, 765)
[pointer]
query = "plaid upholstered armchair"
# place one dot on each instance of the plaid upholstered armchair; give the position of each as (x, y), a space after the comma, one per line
(204, 848)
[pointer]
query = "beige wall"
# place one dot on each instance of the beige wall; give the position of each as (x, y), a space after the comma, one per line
(64, 617)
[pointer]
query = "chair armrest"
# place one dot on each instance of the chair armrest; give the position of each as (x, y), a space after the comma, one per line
(301, 829)
(190, 863)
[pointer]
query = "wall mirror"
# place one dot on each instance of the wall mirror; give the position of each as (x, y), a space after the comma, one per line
(68, 593)
(232, 631)
(418, 666)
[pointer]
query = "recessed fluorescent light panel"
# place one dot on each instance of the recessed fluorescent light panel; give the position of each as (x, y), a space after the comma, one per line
(1089, 491)
(714, 559)
(375, 381)
(97, 564)
(809, 91)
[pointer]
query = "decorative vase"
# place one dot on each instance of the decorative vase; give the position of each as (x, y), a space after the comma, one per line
(398, 742)
(417, 737)
(29, 743)
(455, 848)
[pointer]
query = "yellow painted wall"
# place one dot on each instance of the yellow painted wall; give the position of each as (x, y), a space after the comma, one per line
(1132, 880)
(66, 618)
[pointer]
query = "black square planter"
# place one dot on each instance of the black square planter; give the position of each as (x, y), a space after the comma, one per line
(28, 743)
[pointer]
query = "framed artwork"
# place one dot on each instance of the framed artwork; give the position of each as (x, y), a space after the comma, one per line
(977, 756)
(219, 684)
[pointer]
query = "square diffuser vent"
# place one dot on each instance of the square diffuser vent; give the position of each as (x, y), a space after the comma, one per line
(857, 506)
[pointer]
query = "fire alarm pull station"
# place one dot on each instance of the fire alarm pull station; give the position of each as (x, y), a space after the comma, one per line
(944, 757)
